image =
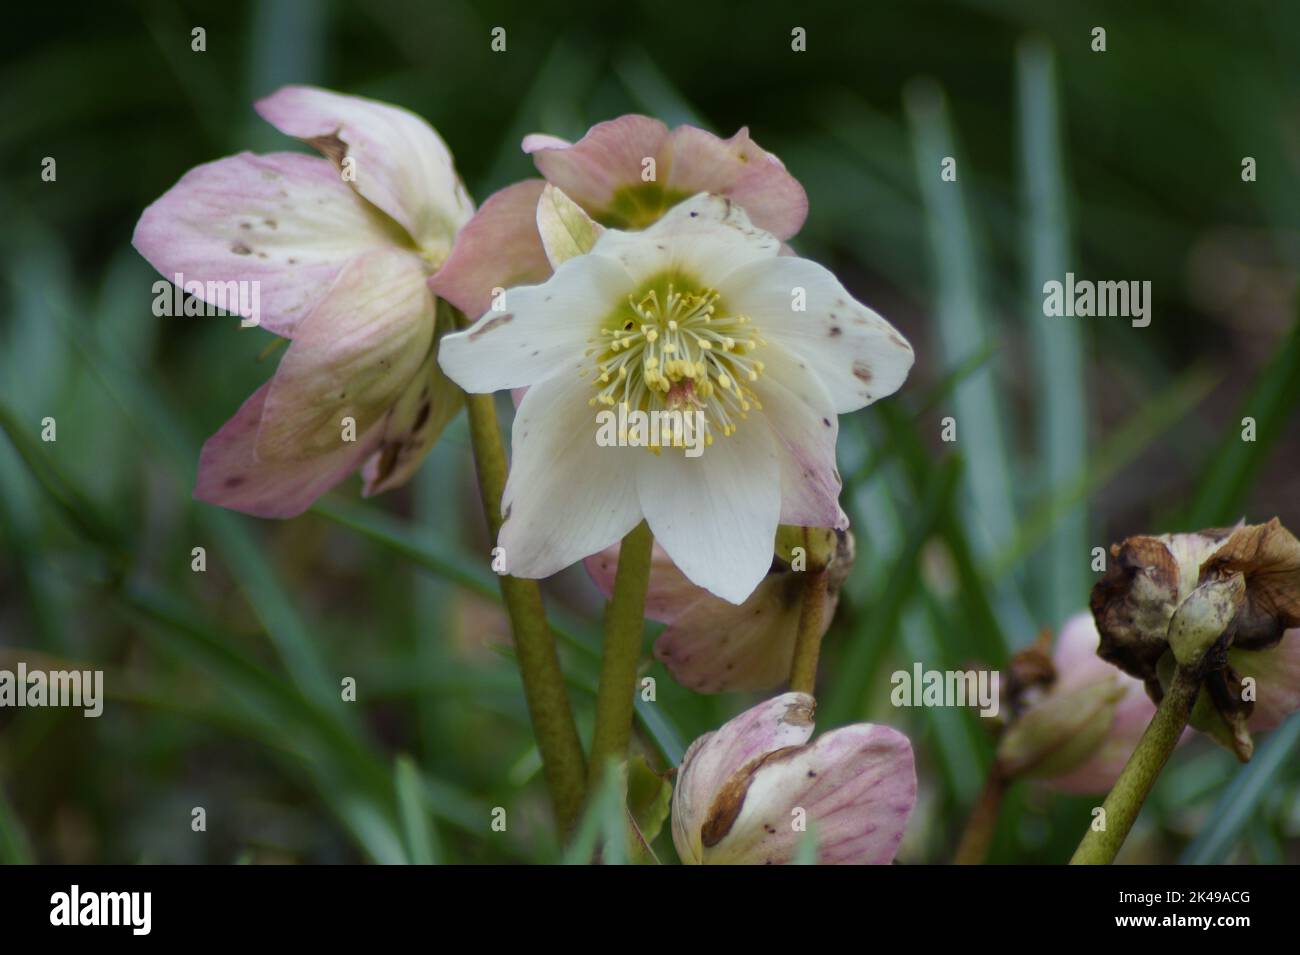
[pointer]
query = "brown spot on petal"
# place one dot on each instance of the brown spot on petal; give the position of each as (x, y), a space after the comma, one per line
(730, 799)
(861, 372)
(240, 249)
(332, 146)
(490, 324)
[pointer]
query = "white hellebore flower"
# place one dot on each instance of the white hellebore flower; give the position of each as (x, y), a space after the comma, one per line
(697, 313)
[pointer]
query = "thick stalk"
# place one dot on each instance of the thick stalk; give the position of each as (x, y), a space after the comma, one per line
(812, 625)
(549, 708)
(1121, 808)
(624, 627)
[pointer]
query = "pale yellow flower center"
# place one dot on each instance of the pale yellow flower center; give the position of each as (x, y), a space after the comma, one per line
(677, 348)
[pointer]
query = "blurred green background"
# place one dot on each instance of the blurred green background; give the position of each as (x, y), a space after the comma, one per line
(223, 686)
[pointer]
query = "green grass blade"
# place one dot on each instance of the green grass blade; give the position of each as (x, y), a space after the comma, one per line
(420, 835)
(1235, 464)
(1118, 450)
(1062, 425)
(1242, 797)
(962, 323)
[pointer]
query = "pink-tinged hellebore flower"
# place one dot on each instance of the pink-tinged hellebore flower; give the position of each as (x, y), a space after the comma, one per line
(1077, 729)
(625, 174)
(339, 252)
(712, 646)
(699, 316)
(746, 792)
(1242, 584)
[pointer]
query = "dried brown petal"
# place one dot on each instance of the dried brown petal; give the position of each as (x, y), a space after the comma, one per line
(1268, 556)
(1133, 604)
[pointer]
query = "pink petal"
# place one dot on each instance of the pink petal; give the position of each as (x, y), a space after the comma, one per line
(717, 647)
(603, 173)
(714, 758)
(401, 165)
(1277, 680)
(535, 141)
(231, 474)
(1075, 659)
(498, 248)
(741, 170)
(284, 221)
(353, 357)
(604, 163)
(415, 422)
(1078, 666)
(710, 645)
(669, 595)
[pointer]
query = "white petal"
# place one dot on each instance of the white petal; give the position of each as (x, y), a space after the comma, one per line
(567, 497)
(705, 238)
(856, 353)
(543, 330)
(716, 515)
(802, 418)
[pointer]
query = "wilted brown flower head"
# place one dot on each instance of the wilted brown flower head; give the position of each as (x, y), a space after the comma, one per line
(1222, 600)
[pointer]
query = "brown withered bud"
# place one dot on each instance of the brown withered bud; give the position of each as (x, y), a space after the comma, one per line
(1029, 674)
(1268, 557)
(1222, 601)
(1132, 604)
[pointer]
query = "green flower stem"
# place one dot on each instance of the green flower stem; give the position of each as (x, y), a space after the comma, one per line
(812, 624)
(1141, 772)
(973, 848)
(549, 708)
(624, 627)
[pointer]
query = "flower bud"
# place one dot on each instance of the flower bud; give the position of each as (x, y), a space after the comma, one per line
(1202, 618)
(751, 792)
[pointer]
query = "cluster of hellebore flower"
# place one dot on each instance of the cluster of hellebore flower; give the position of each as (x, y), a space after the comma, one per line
(592, 286)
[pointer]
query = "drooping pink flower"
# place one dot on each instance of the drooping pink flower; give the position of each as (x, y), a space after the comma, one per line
(748, 792)
(606, 173)
(713, 646)
(338, 252)
(1078, 669)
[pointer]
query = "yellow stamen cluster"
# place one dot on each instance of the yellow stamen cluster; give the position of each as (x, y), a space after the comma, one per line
(675, 350)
